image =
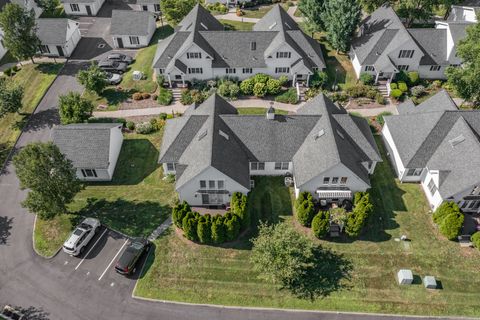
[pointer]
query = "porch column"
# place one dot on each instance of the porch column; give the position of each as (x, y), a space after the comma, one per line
(169, 80)
(391, 77)
(308, 80)
(183, 80)
(294, 79)
(376, 77)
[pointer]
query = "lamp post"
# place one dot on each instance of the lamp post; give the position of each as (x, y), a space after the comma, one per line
(335, 87)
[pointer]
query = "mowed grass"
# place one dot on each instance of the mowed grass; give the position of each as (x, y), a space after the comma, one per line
(182, 271)
(36, 78)
(135, 202)
(258, 111)
(259, 11)
(237, 25)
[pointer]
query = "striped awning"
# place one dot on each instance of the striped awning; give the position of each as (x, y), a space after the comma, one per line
(334, 194)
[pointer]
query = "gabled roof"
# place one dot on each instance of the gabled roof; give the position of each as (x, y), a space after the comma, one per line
(199, 19)
(54, 31)
(440, 138)
(87, 145)
(433, 43)
(131, 22)
(439, 102)
(277, 19)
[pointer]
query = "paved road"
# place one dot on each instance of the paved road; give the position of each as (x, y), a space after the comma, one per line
(86, 288)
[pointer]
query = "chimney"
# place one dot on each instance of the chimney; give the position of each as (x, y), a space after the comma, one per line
(271, 112)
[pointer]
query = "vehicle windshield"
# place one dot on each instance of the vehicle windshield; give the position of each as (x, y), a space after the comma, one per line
(137, 245)
(78, 232)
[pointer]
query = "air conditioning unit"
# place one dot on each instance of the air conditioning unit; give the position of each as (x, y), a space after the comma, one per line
(288, 181)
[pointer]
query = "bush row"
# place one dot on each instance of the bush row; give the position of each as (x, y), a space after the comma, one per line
(362, 209)
(449, 219)
(209, 229)
(261, 84)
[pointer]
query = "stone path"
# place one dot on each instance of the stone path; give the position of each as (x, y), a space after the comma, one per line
(161, 229)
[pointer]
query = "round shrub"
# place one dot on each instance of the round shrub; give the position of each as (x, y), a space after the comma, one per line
(372, 93)
(357, 91)
(476, 239)
(396, 93)
(165, 96)
(302, 197)
(223, 89)
(283, 80)
(197, 96)
(321, 224)
(366, 78)
(189, 226)
(204, 229)
(218, 230)
(444, 210)
(319, 80)
(413, 78)
(273, 86)
(261, 78)
(130, 125)
(417, 91)
(402, 86)
(247, 86)
(179, 212)
(393, 86)
(163, 116)
(402, 76)
(289, 96)
(305, 213)
(260, 89)
(234, 90)
(379, 98)
(451, 225)
(144, 128)
(137, 96)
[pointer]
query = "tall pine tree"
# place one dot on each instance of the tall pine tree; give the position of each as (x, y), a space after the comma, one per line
(341, 18)
(312, 10)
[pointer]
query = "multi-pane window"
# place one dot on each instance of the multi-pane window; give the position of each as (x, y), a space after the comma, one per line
(220, 184)
(435, 68)
(282, 70)
(281, 55)
(44, 49)
(194, 55)
(432, 187)
(211, 184)
(326, 180)
(88, 173)
(170, 166)
(257, 166)
(281, 165)
(195, 70)
(247, 70)
(414, 172)
(203, 184)
(156, 7)
(343, 180)
(406, 53)
(403, 67)
(369, 68)
(230, 70)
(334, 180)
(161, 71)
(74, 7)
(134, 40)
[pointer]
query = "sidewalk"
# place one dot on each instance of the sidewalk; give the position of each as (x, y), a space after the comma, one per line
(233, 17)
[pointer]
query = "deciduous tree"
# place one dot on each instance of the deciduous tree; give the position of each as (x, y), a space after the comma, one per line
(341, 18)
(176, 10)
(11, 95)
(93, 79)
(74, 109)
(48, 6)
(312, 10)
(421, 10)
(51, 178)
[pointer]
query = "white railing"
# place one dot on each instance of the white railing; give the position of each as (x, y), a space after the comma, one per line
(388, 87)
(298, 90)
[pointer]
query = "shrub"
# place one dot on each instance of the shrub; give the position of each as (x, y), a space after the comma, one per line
(437, 84)
(379, 98)
(413, 78)
(261, 78)
(305, 213)
(339, 96)
(321, 224)
(396, 93)
(283, 80)
(288, 96)
(8, 72)
(197, 96)
(366, 78)
(358, 217)
(165, 96)
(302, 197)
(146, 95)
(189, 226)
(402, 86)
(476, 239)
(179, 212)
(379, 118)
(157, 123)
(163, 116)
(204, 229)
(444, 210)
(238, 205)
(228, 89)
(451, 225)
(402, 76)
(137, 96)
(260, 89)
(372, 93)
(160, 80)
(232, 226)
(247, 86)
(144, 128)
(273, 86)
(357, 91)
(319, 79)
(218, 230)
(130, 125)
(186, 97)
(393, 86)
(417, 91)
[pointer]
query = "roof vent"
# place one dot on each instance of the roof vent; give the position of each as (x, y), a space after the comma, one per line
(272, 26)
(202, 135)
(203, 25)
(340, 134)
(457, 140)
(223, 134)
(319, 134)
(253, 46)
(288, 26)
(188, 27)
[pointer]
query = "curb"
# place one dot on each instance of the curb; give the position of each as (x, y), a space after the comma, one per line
(33, 244)
(9, 156)
(218, 306)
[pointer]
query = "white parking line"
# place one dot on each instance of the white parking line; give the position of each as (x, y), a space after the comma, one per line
(108, 267)
(78, 265)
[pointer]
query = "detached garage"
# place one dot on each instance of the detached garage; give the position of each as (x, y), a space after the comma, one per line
(58, 37)
(132, 29)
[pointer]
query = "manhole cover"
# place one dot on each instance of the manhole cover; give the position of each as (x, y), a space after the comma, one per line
(101, 45)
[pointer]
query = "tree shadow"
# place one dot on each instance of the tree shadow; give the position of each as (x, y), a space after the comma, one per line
(41, 120)
(115, 96)
(5, 226)
(326, 273)
(49, 68)
(133, 218)
(33, 313)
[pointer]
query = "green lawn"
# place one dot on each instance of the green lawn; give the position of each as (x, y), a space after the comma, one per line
(259, 111)
(237, 25)
(259, 11)
(36, 78)
(136, 202)
(182, 271)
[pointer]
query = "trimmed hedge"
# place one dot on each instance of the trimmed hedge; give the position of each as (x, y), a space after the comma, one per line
(357, 219)
(449, 219)
(306, 212)
(179, 212)
(476, 240)
(321, 224)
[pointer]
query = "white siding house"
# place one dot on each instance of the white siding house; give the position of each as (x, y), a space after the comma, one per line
(58, 37)
(82, 7)
(93, 148)
(132, 29)
(152, 6)
(465, 11)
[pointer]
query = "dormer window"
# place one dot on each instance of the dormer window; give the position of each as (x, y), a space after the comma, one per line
(194, 55)
(406, 54)
(282, 55)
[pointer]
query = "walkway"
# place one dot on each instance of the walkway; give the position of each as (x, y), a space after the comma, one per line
(370, 112)
(6, 66)
(232, 16)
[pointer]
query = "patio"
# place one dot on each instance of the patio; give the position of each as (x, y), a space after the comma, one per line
(213, 212)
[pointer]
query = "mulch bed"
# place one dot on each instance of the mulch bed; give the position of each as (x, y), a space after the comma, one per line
(138, 104)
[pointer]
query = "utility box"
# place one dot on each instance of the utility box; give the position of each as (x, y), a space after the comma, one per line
(429, 282)
(405, 276)
(137, 75)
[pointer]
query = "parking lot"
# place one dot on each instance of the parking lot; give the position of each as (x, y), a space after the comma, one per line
(96, 266)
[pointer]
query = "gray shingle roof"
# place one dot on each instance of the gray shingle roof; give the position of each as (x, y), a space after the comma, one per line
(433, 43)
(195, 142)
(277, 19)
(423, 139)
(52, 31)
(199, 19)
(439, 102)
(87, 145)
(131, 22)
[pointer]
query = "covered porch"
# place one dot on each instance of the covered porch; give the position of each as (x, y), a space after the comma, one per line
(335, 194)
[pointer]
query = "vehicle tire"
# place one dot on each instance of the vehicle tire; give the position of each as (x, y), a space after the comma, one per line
(82, 250)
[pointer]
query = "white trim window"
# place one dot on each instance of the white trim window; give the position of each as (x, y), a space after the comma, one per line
(370, 68)
(414, 172)
(432, 187)
(326, 180)
(343, 180)
(221, 184)
(211, 184)
(203, 184)
(230, 70)
(282, 70)
(335, 180)
(134, 40)
(156, 7)
(403, 67)
(161, 71)
(284, 55)
(281, 165)
(194, 55)
(435, 68)
(44, 48)
(195, 70)
(406, 54)
(247, 70)
(74, 7)
(89, 173)
(257, 166)
(170, 166)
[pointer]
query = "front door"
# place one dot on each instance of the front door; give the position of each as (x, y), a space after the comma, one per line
(205, 198)
(120, 42)
(89, 10)
(60, 51)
